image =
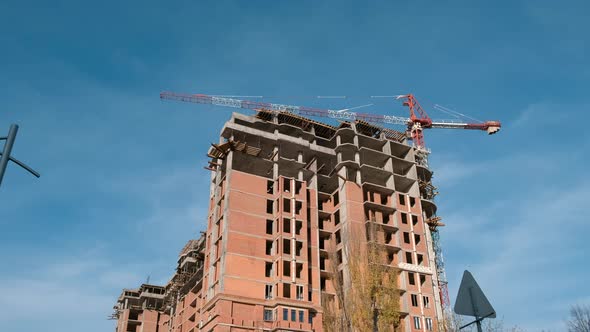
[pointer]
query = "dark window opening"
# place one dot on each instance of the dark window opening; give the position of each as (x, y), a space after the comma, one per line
(269, 226)
(411, 279)
(285, 314)
(404, 218)
(323, 284)
(270, 186)
(384, 199)
(414, 300)
(322, 263)
(287, 291)
(269, 247)
(402, 199)
(286, 268)
(406, 237)
(420, 259)
(298, 270)
(337, 217)
(286, 225)
(338, 238)
(426, 301)
(416, 239)
(422, 279)
(414, 220)
(339, 257)
(298, 227)
(298, 206)
(268, 292)
(269, 204)
(268, 269)
(309, 296)
(287, 185)
(336, 198)
(298, 186)
(286, 246)
(286, 205)
(298, 248)
(412, 201)
(409, 257)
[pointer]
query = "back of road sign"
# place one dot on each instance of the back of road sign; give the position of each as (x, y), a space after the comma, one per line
(471, 300)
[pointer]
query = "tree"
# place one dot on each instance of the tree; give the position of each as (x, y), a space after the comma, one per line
(369, 300)
(579, 319)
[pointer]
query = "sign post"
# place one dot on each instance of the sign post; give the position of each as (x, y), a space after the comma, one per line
(471, 301)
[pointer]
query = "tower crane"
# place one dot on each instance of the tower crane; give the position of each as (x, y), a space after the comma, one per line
(416, 123)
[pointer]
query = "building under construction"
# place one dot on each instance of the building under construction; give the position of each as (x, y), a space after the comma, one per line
(287, 196)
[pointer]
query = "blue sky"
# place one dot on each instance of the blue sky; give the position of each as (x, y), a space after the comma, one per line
(123, 187)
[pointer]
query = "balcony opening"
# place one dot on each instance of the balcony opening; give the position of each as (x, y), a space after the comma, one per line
(286, 226)
(420, 259)
(286, 205)
(269, 247)
(270, 187)
(390, 258)
(286, 246)
(416, 239)
(386, 218)
(412, 201)
(287, 291)
(269, 206)
(388, 237)
(406, 237)
(414, 220)
(337, 217)
(384, 199)
(404, 218)
(409, 258)
(269, 226)
(268, 269)
(286, 268)
(336, 198)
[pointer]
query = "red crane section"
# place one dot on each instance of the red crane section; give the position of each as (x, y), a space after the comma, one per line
(416, 123)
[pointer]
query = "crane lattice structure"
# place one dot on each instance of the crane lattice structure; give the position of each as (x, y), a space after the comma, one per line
(415, 125)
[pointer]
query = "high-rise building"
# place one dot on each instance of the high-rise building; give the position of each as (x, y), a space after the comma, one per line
(287, 196)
